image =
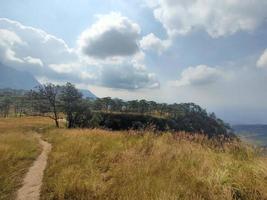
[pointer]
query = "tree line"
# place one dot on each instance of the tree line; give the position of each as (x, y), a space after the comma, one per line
(67, 102)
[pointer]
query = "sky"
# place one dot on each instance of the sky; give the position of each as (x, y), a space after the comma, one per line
(213, 53)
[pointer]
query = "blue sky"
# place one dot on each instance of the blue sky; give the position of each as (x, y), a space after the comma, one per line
(209, 52)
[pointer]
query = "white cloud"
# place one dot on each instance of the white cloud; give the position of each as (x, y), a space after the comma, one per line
(112, 35)
(262, 61)
(50, 59)
(217, 18)
(199, 75)
(35, 61)
(7, 41)
(153, 43)
(64, 68)
(9, 38)
(25, 45)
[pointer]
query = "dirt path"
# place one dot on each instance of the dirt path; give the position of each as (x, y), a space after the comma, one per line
(32, 182)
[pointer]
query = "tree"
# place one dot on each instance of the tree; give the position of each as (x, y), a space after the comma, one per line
(98, 104)
(107, 103)
(5, 105)
(143, 106)
(82, 115)
(20, 105)
(152, 106)
(133, 105)
(95, 120)
(45, 101)
(162, 108)
(71, 100)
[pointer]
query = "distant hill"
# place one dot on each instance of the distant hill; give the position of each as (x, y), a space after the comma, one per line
(15, 79)
(256, 133)
(87, 94)
(22, 80)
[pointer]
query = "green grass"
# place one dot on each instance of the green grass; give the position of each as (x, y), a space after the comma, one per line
(97, 164)
(18, 149)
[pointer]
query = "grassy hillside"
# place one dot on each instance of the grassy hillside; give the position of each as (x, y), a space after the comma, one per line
(255, 134)
(18, 149)
(96, 164)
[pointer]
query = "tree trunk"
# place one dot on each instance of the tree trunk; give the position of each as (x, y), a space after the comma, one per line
(70, 120)
(56, 117)
(56, 121)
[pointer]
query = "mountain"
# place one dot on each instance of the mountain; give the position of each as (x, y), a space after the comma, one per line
(15, 79)
(255, 133)
(87, 94)
(22, 80)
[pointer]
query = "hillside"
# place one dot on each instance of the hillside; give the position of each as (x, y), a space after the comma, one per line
(87, 94)
(11, 78)
(256, 134)
(15, 79)
(98, 164)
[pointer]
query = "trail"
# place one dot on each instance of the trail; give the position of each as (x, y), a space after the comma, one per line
(32, 182)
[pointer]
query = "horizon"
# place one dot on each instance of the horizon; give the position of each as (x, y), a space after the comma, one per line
(214, 55)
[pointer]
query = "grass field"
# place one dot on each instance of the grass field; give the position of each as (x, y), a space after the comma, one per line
(98, 164)
(18, 149)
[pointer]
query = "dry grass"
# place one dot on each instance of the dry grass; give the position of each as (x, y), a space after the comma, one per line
(97, 164)
(18, 149)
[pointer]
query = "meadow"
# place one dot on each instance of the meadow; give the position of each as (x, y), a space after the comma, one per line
(18, 149)
(100, 164)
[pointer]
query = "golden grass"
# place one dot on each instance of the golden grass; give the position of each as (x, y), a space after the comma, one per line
(18, 149)
(97, 164)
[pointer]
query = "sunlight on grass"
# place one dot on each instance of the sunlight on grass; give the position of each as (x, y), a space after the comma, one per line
(97, 164)
(18, 149)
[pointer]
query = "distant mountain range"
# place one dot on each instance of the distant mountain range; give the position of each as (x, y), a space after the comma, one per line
(255, 134)
(15, 79)
(22, 80)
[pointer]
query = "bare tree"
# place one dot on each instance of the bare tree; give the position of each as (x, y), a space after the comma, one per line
(46, 101)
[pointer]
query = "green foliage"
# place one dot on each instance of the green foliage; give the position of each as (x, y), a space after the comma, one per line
(51, 99)
(72, 105)
(5, 104)
(96, 120)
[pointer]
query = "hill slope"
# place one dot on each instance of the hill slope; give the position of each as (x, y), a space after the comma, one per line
(98, 164)
(256, 134)
(15, 79)
(88, 94)
(22, 80)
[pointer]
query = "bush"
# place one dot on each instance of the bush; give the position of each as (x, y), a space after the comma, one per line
(188, 123)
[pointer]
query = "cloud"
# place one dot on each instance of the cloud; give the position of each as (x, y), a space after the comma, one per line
(24, 45)
(262, 61)
(7, 40)
(112, 35)
(217, 18)
(127, 76)
(198, 76)
(49, 58)
(153, 43)
(35, 61)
